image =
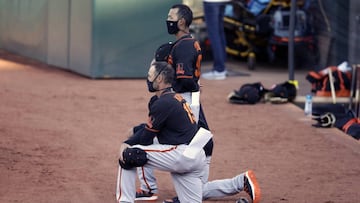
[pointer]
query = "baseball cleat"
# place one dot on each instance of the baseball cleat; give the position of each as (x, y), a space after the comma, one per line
(142, 195)
(251, 186)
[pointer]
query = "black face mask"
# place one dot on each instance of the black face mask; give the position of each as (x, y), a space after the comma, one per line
(172, 27)
(151, 86)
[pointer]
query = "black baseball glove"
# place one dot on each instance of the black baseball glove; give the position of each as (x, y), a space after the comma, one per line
(133, 157)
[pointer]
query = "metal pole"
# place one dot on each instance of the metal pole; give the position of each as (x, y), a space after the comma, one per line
(291, 40)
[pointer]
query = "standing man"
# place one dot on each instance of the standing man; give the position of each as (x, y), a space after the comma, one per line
(172, 123)
(185, 57)
(214, 17)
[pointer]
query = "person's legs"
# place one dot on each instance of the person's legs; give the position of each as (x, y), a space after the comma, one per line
(162, 157)
(244, 182)
(148, 186)
(202, 120)
(224, 187)
(188, 186)
(125, 187)
(147, 179)
(187, 172)
(222, 35)
(206, 170)
(214, 14)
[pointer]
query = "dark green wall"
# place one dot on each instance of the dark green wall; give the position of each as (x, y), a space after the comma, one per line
(95, 38)
(23, 27)
(126, 34)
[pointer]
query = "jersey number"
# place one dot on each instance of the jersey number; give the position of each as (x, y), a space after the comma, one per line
(186, 107)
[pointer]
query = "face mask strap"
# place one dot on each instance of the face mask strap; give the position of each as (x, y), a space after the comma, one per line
(157, 75)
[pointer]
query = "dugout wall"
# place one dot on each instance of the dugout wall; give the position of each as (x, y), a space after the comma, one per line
(95, 38)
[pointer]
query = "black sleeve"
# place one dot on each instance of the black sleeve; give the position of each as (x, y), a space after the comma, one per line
(139, 127)
(142, 135)
(158, 114)
(139, 133)
(147, 138)
(135, 138)
(152, 100)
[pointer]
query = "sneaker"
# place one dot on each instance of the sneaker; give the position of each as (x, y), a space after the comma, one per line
(214, 75)
(173, 200)
(145, 196)
(251, 186)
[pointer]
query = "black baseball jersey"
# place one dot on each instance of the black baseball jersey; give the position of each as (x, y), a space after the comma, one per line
(170, 120)
(185, 57)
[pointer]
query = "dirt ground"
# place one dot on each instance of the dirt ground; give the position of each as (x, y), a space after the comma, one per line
(60, 134)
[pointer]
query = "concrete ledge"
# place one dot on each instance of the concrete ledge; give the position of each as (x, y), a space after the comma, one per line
(317, 99)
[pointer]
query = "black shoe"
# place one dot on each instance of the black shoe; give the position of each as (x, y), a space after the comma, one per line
(145, 196)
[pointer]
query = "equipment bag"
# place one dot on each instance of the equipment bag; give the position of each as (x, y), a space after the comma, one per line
(250, 93)
(320, 82)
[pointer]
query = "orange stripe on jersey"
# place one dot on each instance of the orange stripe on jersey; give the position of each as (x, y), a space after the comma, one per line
(186, 107)
(197, 71)
(149, 125)
(179, 97)
(152, 130)
(198, 65)
(170, 60)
